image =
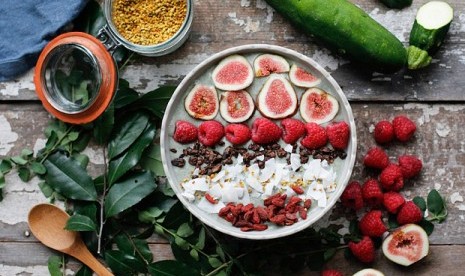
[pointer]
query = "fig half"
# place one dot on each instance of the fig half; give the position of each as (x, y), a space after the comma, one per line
(236, 106)
(369, 272)
(202, 102)
(406, 245)
(277, 98)
(318, 106)
(300, 77)
(266, 64)
(233, 73)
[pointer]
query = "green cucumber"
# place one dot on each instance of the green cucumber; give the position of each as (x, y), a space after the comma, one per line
(343, 27)
(396, 4)
(431, 25)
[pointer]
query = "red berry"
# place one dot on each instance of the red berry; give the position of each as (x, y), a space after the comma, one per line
(392, 202)
(404, 128)
(384, 132)
(264, 131)
(338, 134)
(376, 158)
(363, 250)
(238, 134)
(410, 165)
(210, 133)
(371, 193)
(185, 132)
(293, 130)
(316, 136)
(331, 272)
(352, 196)
(372, 225)
(409, 213)
(391, 178)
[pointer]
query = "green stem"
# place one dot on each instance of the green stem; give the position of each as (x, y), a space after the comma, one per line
(55, 146)
(126, 62)
(102, 202)
(135, 248)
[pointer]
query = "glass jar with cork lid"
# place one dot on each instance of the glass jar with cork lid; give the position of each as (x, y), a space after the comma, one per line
(76, 75)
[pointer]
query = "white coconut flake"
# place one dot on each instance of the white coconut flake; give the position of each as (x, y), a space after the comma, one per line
(312, 170)
(322, 202)
(253, 183)
(188, 195)
(209, 207)
(229, 194)
(295, 161)
(315, 191)
(219, 176)
(267, 172)
(197, 184)
(216, 191)
(260, 157)
(288, 148)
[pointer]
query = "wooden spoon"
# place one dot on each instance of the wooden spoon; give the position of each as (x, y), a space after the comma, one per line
(47, 223)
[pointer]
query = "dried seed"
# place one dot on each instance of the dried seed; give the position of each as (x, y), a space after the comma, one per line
(178, 162)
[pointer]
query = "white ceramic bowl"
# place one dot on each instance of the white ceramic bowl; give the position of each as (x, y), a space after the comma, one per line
(202, 73)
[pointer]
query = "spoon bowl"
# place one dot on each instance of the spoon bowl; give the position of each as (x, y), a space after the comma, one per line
(47, 222)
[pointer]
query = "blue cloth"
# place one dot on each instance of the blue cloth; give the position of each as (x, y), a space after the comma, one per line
(26, 26)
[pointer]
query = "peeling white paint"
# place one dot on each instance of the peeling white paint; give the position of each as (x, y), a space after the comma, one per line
(39, 144)
(7, 136)
(428, 111)
(146, 77)
(248, 24)
(245, 3)
(461, 207)
(442, 130)
(440, 171)
(37, 270)
(327, 60)
(95, 156)
(261, 4)
(456, 197)
(437, 186)
(397, 22)
(24, 82)
(371, 128)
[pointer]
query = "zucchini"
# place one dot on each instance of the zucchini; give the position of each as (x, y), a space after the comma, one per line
(417, 58)
(396, 4)
(343, 27)
(431, 25)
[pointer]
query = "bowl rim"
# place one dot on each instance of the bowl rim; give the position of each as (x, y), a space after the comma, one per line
(344, 177)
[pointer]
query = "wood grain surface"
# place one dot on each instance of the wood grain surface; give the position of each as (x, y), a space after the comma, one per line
(433, 97)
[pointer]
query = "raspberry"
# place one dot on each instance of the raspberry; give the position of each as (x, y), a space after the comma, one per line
(410, 165)
(238, 134)
(376, 158)
(293, 130)
(404, 128)
(338, 135)
(409, 213)
(371, 193)
(331, 272)
(210, 132)
(384, 132)
(185, 132)
(372, 225)
(364, 250)
(352, 196)
(316, 136)
(392, 202)
(391, 178)
(264, 131)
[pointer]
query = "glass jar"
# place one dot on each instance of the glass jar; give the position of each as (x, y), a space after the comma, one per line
(76, 75)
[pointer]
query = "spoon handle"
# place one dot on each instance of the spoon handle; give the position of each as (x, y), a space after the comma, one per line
(80, 252)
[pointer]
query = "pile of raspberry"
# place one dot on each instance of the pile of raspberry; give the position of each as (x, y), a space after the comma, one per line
(380, 195)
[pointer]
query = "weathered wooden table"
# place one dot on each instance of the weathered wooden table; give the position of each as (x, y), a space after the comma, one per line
(434, 98)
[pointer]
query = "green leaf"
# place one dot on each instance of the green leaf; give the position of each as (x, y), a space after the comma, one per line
(219, 250)
(435, 202)
(68, 178)
(427, 226)
(5, 166)
(80, 223)
(152, 160)
(133, 246)
(2, 181)
(19, 160)
(128, 160)
(201, 241)
(155, 101)
(73, 136)
(27, 153)
(52, 140)
(24, 174)
(81, 143)
(181, 243)
(149, 215)
(130, 129)
(54, 264)
(86, 208)
(176, 216)
(128, 193)
(329, 253)
(420, 202)
(171, 268)
(103, 125)
(38, 168)
(82, 159)
(84, 271)
(194, 254)
(91, 19)
(46, 189)
(185, 230)
(214, 262)
(124, 95)
(121, 263)
(392, 222)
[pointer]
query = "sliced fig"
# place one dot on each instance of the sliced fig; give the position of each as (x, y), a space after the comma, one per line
(266, 64)
(236, 106)
(406, 245)
(318, 106)
(302, 78)
(202, 102)
(233, 73)
(277, 98)
(369, 272)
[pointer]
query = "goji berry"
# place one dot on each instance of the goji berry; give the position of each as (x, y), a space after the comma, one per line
(210, 198)
(297, 189)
